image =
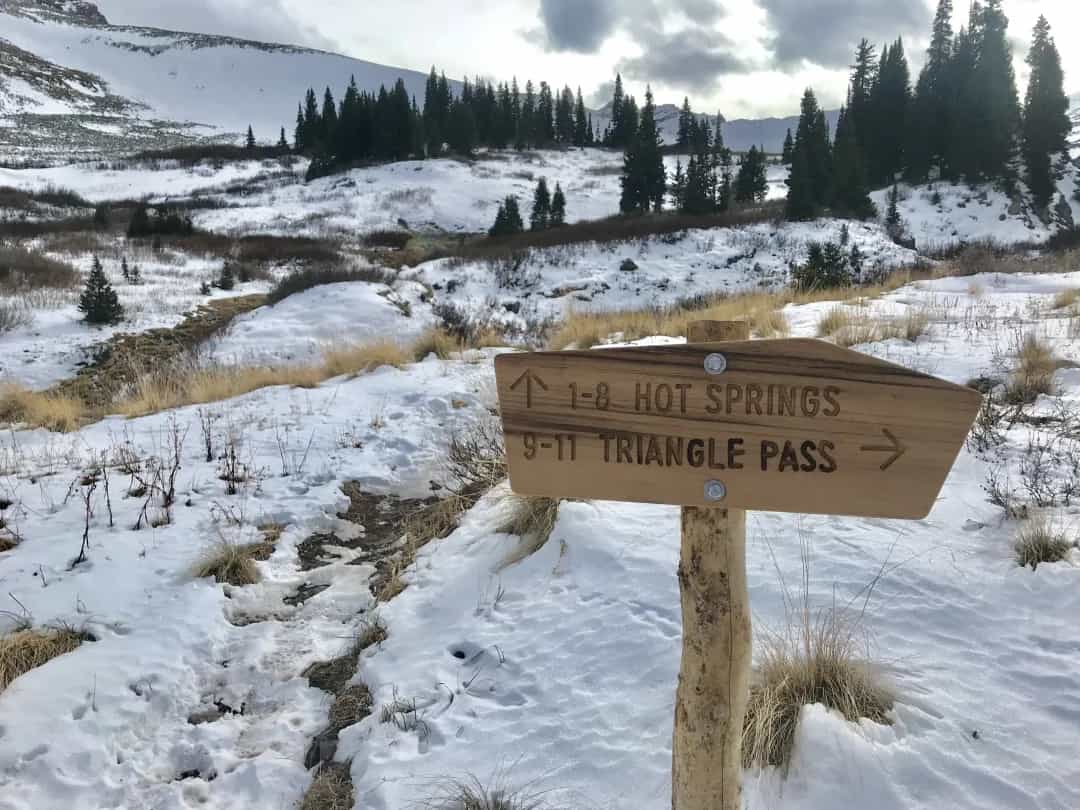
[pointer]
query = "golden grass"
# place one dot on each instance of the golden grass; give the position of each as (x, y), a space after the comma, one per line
(1034, 372)
(583, 330)
(359, 358)
(233, 563)
(332, 789)
(532, 518)
(18, 404)
(1039, 541)
(1066, 298)
(25, 650)
(435, 341)
(848, 327)
(817, 661)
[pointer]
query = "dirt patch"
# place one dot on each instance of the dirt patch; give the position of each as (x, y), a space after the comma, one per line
(124, 357)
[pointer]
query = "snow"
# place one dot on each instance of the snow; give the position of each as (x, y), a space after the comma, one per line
(667, 269)
(570, 657)
(299, 328)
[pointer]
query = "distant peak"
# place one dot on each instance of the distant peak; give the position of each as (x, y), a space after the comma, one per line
(74, 11)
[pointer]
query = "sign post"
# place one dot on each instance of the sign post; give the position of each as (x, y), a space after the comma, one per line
(714, 675)
(718, 426)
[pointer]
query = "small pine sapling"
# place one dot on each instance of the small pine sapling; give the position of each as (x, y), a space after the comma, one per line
(99, 303)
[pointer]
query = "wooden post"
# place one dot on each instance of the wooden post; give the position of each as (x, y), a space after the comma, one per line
(714, 678)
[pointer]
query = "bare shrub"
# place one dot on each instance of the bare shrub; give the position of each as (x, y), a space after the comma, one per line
(22, 269)
(27, 649)
(1040, 541)
(14, 314)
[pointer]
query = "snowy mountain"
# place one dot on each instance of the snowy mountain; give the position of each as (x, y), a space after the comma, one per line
(70, 81)
(739, 134)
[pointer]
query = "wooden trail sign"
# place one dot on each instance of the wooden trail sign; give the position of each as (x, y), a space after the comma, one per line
(777, 425)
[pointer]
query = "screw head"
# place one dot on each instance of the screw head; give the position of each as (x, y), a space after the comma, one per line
(716, 363)
(715, 491)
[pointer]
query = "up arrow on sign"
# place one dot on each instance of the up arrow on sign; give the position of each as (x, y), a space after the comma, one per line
(775, 425)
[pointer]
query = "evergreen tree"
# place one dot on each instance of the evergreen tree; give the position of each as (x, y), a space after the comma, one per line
(300, 133)
(725, 192)
(545, 116)
(811, 163)
(1046, 122)
(961, 159)
(864, 77)
(135, 275)
(312, 120)
(751, 184)
(929, 130)
(564, 117)
(508, 219)
(892, 212)
(125, 271)
(226, 279)
(850, 195)
(461, 128)
(328, 121)
(789, 147)
(99, 303)
(885, 150)
(540, 219)
(678, 187)
(686, 121)
(250, 141)
(527, 130)
(282, 142)
(558, 208)
(998, 118)
(643, 179)
(616, 126)
(582, 124)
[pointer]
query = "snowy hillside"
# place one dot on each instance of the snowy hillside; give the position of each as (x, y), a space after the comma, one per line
(1074, 137)
(68, 79)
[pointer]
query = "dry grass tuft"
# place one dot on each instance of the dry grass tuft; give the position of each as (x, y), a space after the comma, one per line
(27, 649)
(1034, 373)
(472, 794)
(1066, 298)
(1038, 541)
(821, 658)
(332, 789)
(359, 358)
(532, 518)
(37, 409)
(437, 342)
(232, 563)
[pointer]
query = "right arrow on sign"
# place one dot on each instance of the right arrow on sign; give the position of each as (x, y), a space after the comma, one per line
(895, 447)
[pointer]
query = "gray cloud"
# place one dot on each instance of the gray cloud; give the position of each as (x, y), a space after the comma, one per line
(263, 20)
(826, 32)
(578, 25)
(692, 59)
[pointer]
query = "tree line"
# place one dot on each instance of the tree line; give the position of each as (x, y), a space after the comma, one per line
(961, 121)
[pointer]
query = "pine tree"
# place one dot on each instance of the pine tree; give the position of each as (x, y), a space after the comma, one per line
(564, 117)
(892, 212)
(461, 128)
(929, 139)
(789, 147)
(1046, 122)
(300, 133)
(282, 143)
(615, 131)
(558, 208)
(540, 219)
(508, 219)
(250, 142)
(884, 152)
(998, 118)
(582, 124)
(312, 121)
(961, 158)
(751, 184)
(811, 163)
(686, 120)
(328, 121)
(226, 279)
(643, 180)
(864, 77)
(678, 187)
(849, 190)
(125, 271)
(99, 303)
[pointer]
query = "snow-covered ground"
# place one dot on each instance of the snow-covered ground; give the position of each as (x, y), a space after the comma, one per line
(558, 671)
(941, 215)
(663, 270)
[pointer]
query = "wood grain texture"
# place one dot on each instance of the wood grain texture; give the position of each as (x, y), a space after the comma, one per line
(792, 425)
(714, 672)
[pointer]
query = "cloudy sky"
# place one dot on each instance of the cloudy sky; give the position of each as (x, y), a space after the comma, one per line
(746, 58)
